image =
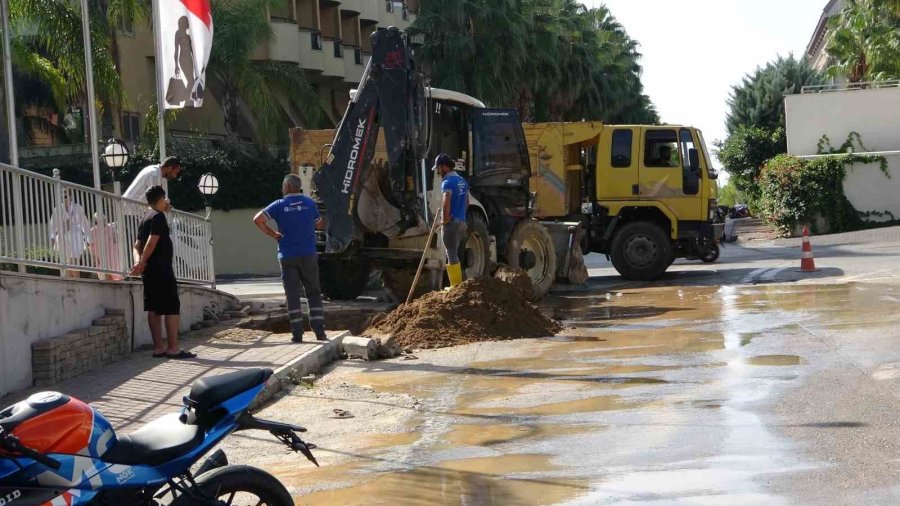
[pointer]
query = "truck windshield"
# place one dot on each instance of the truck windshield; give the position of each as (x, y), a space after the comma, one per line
(710, 171)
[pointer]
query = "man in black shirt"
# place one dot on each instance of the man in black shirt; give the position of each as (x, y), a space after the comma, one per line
(154, 252)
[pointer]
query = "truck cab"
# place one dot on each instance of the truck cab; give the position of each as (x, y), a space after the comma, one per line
(646, 194)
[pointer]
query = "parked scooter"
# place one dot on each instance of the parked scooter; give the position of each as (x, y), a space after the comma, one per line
(57, 450)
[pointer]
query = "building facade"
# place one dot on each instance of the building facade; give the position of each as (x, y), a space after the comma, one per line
(328, 39)
(815, 50)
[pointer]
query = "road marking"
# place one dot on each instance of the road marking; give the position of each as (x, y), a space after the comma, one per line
(770, 276)
(749, 278)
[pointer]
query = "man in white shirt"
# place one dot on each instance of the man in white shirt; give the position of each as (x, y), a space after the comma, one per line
(152, 175)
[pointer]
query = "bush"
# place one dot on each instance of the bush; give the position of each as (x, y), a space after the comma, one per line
(248, 176)
(796, 191)
(745, 152)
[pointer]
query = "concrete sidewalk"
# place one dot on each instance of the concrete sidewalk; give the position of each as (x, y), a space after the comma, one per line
(142, 388)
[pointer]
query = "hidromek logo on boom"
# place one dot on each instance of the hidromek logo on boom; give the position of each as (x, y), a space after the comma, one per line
(354, 155)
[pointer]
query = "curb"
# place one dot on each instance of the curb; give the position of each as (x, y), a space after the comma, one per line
(310, 362)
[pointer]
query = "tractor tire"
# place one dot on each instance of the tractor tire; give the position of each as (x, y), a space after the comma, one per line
(344, 278)
(475, 249)
(641, 251)
(531, 249)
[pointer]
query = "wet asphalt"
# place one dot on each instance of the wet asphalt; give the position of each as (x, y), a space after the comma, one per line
(716, 392)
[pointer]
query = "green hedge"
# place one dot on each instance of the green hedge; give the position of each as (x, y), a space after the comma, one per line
(248, 176)
(797, 191)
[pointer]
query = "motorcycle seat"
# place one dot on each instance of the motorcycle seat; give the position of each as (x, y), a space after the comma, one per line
(155, 443)
(211, 391)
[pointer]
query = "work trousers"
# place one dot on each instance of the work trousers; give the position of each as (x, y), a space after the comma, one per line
(452, 234)
(301, 277)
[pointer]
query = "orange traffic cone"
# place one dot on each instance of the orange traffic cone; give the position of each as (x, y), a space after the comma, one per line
(807, 262)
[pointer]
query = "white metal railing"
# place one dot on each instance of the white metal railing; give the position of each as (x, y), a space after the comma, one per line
(827, 88)
(50, 223)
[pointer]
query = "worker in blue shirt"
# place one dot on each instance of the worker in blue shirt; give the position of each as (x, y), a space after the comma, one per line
(454, 202)
(297, 216)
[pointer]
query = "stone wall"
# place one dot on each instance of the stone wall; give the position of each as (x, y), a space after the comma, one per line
(79, 351)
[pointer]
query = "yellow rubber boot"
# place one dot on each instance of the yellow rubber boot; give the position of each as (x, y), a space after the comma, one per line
(454, 272)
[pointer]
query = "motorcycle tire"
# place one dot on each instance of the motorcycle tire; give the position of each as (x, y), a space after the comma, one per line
(237, 482)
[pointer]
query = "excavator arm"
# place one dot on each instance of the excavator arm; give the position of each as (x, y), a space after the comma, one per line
(391, 96)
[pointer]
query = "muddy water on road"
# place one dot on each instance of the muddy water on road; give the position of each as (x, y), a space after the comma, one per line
(650, 395)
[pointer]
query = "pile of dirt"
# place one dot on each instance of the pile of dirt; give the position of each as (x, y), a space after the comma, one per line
(518, 279)
(483, 309)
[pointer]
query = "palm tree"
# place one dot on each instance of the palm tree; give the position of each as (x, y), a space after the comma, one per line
(551, 60)
(865, 41)
(237, 80)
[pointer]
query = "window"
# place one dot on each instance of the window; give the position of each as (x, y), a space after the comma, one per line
(690, 178)
(126, 27)
(661, 149)
(131, 126)
(621, 148)
(498, 141)
(316, 38)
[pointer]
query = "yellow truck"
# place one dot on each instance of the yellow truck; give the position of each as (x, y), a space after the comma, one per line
(645, 195)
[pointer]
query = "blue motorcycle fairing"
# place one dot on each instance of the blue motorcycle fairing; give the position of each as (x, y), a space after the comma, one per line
(83, 477)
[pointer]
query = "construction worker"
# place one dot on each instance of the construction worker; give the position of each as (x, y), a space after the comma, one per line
(297, 216)
(454, 203)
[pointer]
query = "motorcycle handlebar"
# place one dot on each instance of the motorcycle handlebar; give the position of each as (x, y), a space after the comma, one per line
(12, 444)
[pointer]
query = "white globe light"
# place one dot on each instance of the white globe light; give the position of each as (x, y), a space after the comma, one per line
(209, 184)
(115, 155)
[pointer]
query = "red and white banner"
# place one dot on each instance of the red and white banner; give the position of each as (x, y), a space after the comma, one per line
(186, 32)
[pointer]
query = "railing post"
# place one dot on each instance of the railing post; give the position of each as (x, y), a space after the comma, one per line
(19, 213)
(209, 253)
(62, 237)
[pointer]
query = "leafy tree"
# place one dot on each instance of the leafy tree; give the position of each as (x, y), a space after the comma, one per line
(865, 41)
(758, 102)
(551, 60)
(744, 154)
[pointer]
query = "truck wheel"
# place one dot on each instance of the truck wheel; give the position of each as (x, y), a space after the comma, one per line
(475, 249)
(531, 249)
(343, 279)
(641, 251)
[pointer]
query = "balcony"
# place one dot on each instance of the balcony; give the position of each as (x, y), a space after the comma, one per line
(394, 13)
(312, 57)
(284, 45)
(334, 58)
(353, 68)
(367, 9)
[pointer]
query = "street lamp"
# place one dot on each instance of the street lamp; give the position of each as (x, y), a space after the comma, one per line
(208, 186)
(116, 156)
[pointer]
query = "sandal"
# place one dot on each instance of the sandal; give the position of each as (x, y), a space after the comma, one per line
(340, 413)
(161, 355)
(183, 354)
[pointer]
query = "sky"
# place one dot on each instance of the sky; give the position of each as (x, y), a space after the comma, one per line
(695, 50)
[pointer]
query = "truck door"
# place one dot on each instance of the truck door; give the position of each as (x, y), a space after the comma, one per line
(617, 164)
(666, 174)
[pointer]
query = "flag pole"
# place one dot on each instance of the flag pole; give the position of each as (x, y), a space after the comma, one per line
(160, 91)
(10, 97)
(91, 95)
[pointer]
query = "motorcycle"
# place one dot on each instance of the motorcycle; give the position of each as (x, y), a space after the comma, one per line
(58, 450)
(739, 211)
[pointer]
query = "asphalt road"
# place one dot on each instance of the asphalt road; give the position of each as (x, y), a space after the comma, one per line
(741, 382)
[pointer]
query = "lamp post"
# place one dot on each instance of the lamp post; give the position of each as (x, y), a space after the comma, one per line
(116, 156)
(208, 186)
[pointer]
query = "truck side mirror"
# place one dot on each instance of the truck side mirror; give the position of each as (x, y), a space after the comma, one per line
(694, 157)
